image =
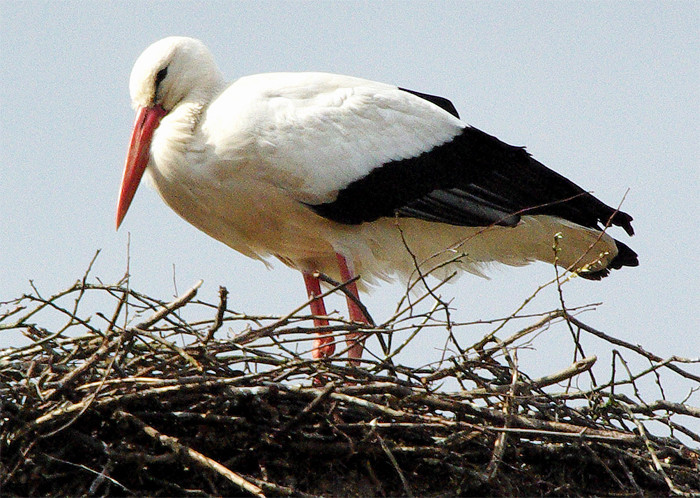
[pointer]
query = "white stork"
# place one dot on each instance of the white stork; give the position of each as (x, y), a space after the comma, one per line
(347, 177)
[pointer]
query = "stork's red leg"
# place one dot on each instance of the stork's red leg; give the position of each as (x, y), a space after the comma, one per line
(323, 345)
(356, 314)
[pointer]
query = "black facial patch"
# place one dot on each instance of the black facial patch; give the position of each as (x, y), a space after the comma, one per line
(160, 76)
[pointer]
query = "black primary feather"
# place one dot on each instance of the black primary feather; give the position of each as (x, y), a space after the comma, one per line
(473, 180)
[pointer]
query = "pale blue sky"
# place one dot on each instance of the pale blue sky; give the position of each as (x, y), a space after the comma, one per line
(605, 93)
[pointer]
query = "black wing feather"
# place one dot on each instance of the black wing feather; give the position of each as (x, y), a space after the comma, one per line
(473, 180)
(441, 102)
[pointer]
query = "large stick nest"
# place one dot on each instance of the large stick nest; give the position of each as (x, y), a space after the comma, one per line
(134, 399)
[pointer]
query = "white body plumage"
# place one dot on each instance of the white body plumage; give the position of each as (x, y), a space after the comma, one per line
(244, 162)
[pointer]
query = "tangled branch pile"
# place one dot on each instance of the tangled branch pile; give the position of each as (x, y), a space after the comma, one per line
(169, 406)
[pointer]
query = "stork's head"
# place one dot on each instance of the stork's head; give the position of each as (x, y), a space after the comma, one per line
(172, 70)
(169, 72)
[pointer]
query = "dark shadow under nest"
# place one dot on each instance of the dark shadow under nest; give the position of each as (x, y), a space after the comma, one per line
(169, 406)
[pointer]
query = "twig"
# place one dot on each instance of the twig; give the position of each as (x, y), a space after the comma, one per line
(170, 307)
(458, 416)
(567, 373)
(501, 441)
(654, 458)
(192, 455)
(321, 397)
(395, 464)
(101, 476)
(636, 349)
(223, 299)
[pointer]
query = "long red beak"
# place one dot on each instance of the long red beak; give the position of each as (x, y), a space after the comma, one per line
(147, 120)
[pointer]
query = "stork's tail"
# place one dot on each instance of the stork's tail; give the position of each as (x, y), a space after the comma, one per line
(625, 257)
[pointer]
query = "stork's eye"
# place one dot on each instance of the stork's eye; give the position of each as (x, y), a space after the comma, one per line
(160, 76)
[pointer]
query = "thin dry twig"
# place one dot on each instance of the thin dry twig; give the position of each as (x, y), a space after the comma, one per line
(88, 405)
(191, 454)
